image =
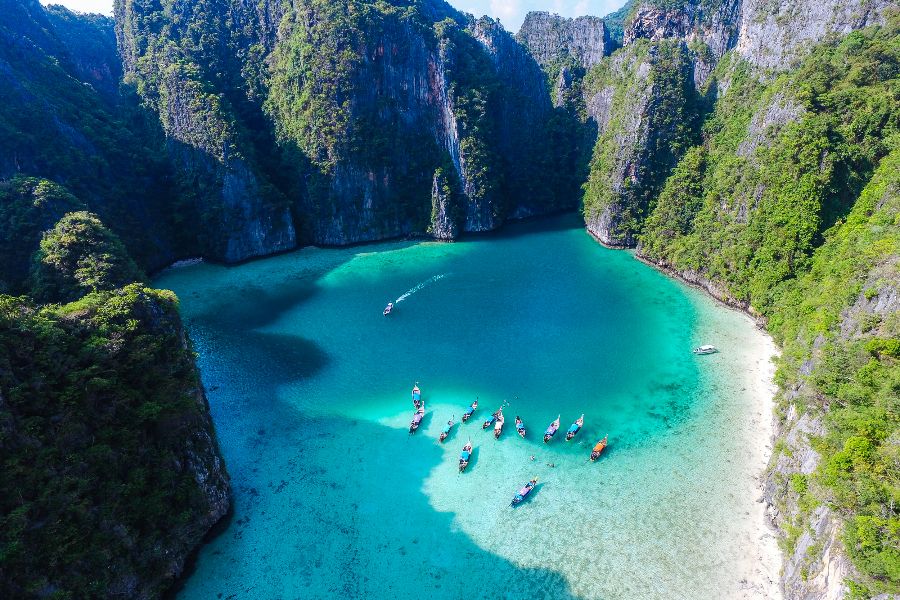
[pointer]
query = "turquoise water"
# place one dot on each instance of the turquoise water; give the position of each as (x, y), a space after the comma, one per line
(309, 387)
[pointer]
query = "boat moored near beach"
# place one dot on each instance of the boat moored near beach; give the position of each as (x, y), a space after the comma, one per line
(706, 349)
(598, 448)
(575, 428)
(523, 493)
(520, 427)
(551, 431)
(446, 430)
(416, 395)
(470, 411)
(417, 418)
(465, 456)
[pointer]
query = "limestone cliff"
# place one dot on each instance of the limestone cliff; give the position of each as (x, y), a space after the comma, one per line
(111, 470)
(240, 213)
(643, 102)
(550, 38)
(566, 49)
(788, 211)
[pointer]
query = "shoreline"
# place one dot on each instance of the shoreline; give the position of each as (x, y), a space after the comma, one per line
(768, 560)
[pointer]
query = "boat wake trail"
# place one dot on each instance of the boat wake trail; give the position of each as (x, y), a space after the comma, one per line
(419, 286)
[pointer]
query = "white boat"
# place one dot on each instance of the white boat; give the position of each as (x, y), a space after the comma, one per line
(706, 350)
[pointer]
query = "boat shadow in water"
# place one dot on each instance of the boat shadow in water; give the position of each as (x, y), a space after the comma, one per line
(452, 435)
(534, 492)
(424, 423)
(473, 459)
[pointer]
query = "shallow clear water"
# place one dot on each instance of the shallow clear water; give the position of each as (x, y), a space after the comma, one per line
(309, 387)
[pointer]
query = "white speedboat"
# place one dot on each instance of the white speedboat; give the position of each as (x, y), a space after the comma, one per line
(706, 350)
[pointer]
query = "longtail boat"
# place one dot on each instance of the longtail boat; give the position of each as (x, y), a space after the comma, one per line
(387, 309)
(498, 424)
(490, 420)
(523, 493)
(575, 428)
(465, 456)
(595, 453)
(416, 395)
(470, 411)
(446, 430)
(417, 418)
(551, 431)
(520, 427)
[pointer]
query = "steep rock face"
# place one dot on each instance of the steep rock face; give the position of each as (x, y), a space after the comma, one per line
(550, 38)
(109, 483)
(61, 118)
(808, 243)
(240, 212)
(643, 104)
(713, 24)
(566, 49)
(444, 218)
(524, 109)
(420, 90)
(775, 35)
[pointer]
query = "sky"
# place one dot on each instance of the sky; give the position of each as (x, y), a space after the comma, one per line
(510, 12)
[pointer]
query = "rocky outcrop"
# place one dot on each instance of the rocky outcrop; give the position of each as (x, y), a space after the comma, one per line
(108, 483)
(566, 49)
(444, 212)
(768, 34)
(775, 35)
(816, 566)
(780, 110)
(550, 38)
(643, 103)
(713, 24)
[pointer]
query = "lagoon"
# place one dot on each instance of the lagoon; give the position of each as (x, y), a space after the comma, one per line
(309, 387)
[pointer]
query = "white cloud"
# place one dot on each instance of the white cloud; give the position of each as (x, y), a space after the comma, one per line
(86, 6)
(506, 10)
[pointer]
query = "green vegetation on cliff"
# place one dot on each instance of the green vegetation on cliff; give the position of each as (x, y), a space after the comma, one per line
(791, 208)
(78, 256)
(651, 121)
(61, 119)
(103, 436)
(28, 207)
(843, 316)
(312, 77)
